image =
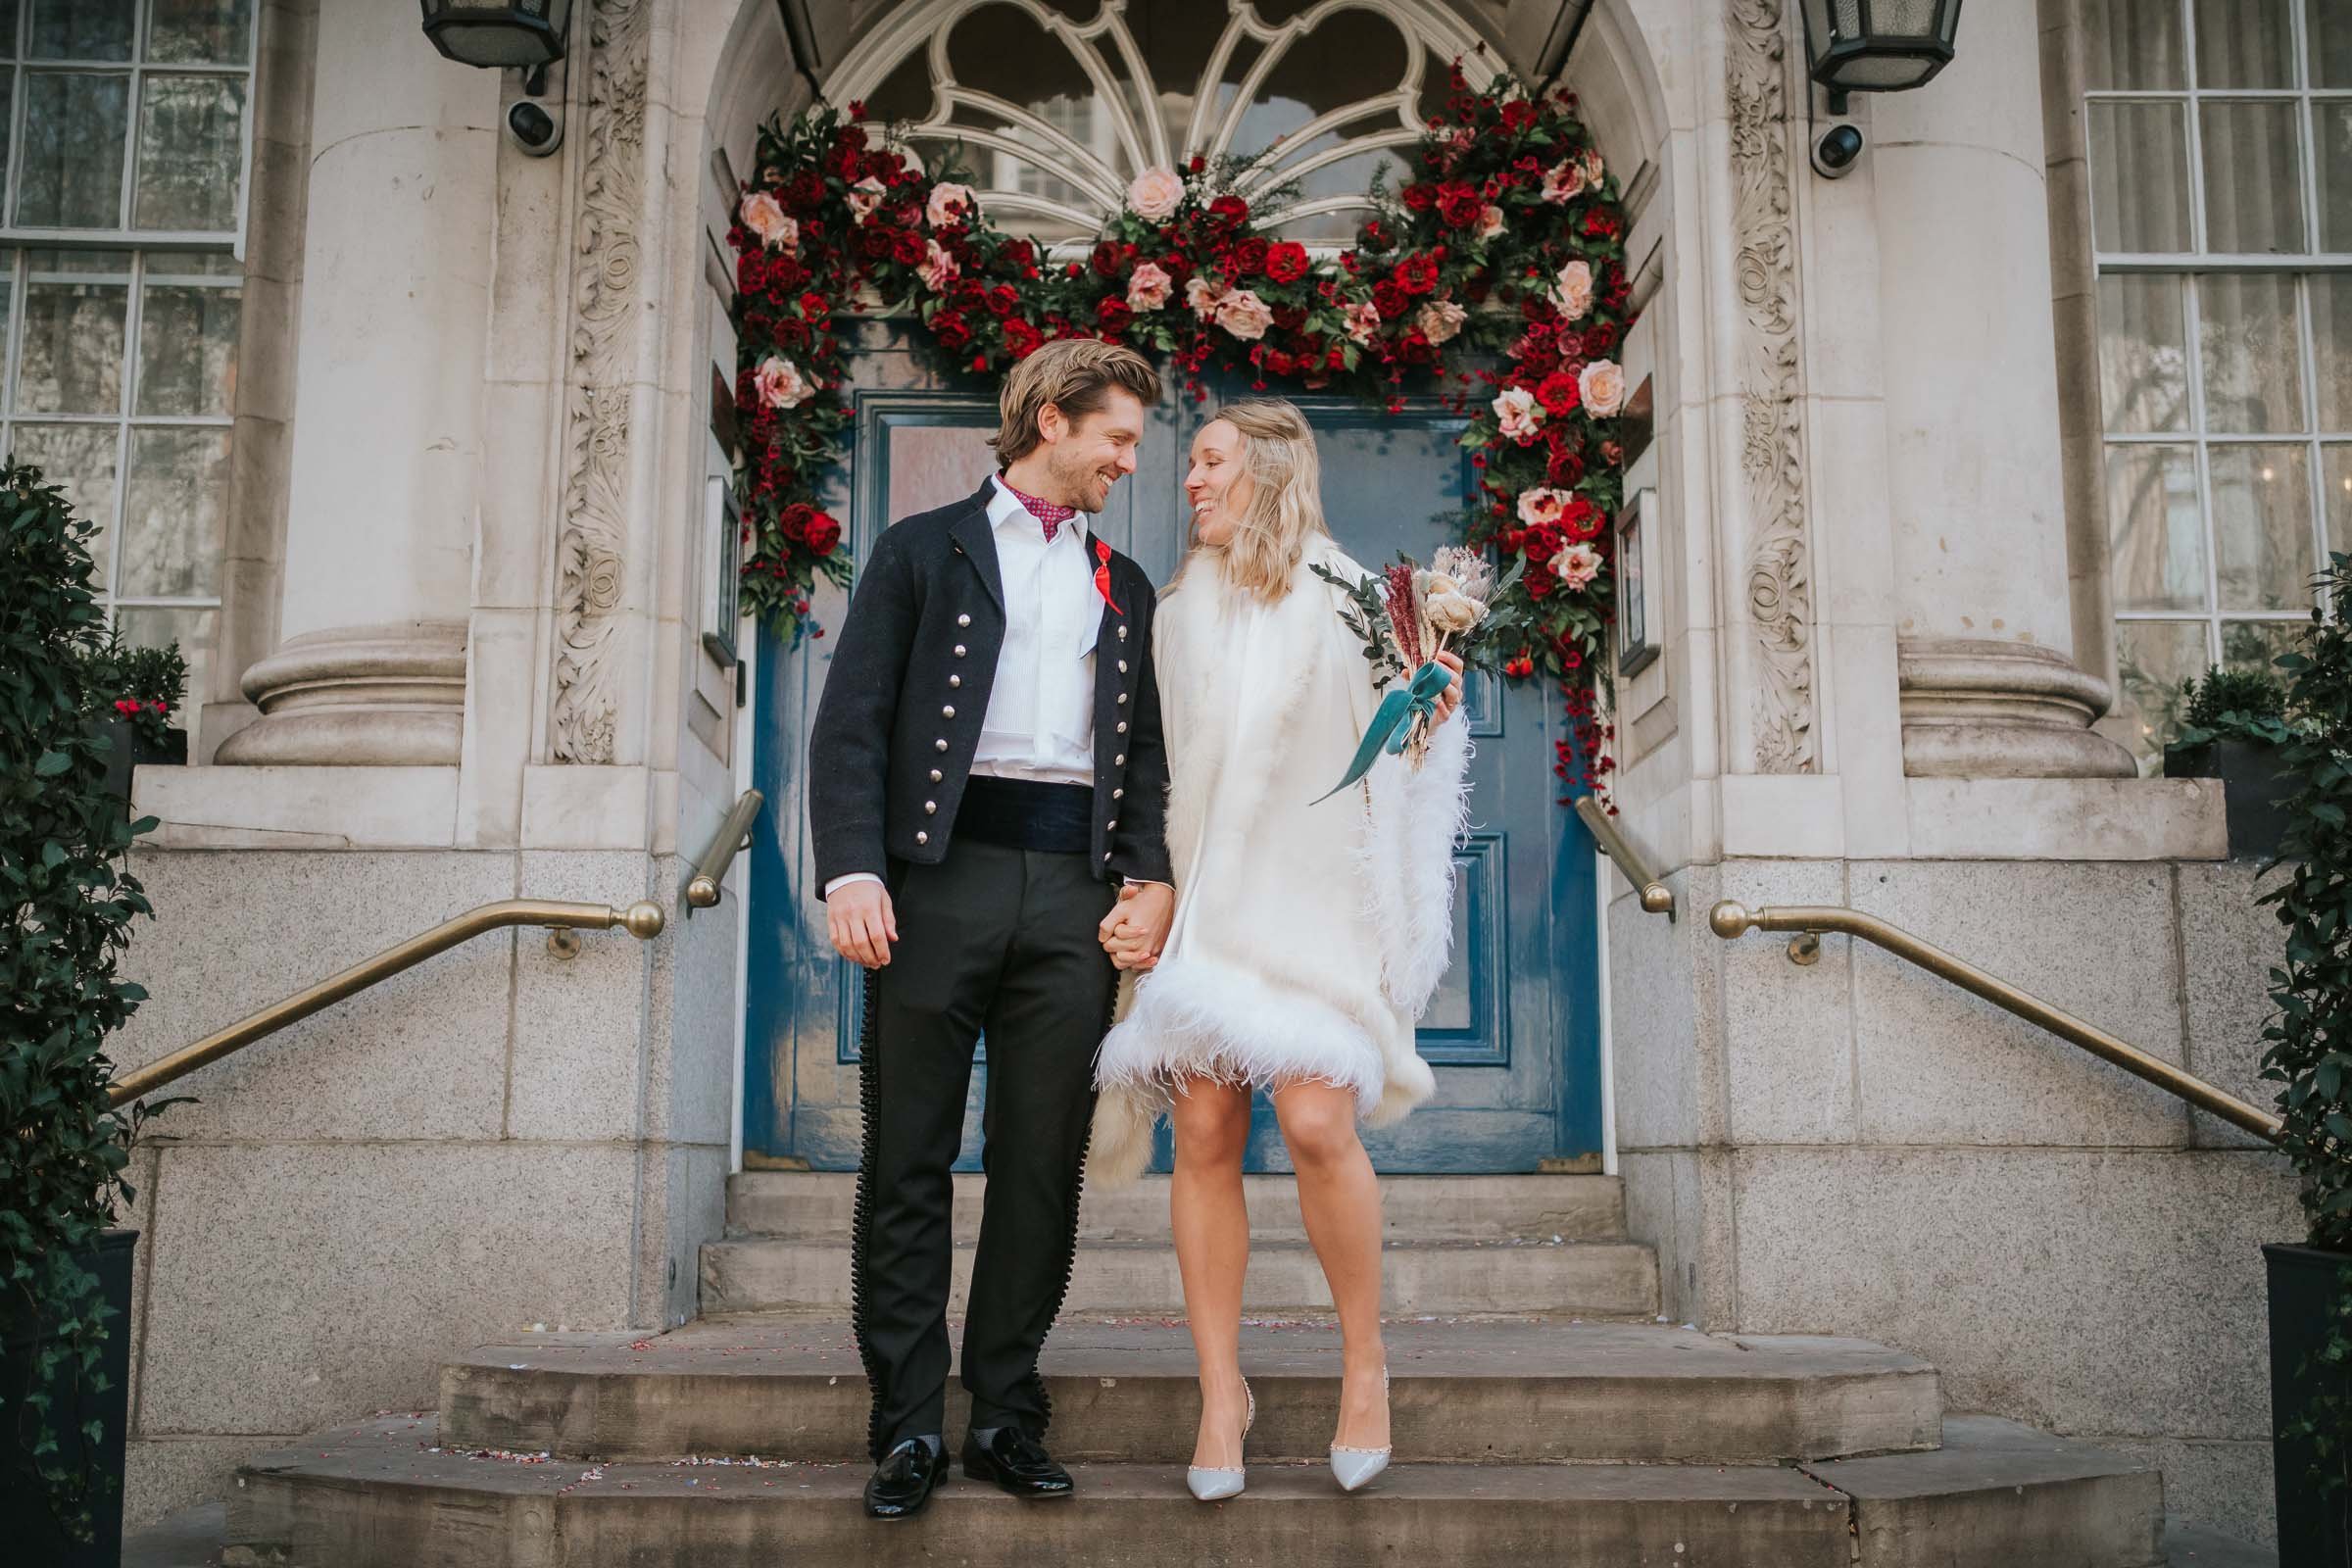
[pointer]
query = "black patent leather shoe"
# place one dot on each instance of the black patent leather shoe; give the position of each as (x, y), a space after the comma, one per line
(902, 1483)
(1015, 1461)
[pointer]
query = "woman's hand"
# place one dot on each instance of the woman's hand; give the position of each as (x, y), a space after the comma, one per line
(1451, 697)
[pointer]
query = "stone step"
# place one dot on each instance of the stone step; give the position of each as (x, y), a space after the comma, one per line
(1514, 1393)
(1580, 1279)
(385, 1494)
(805, 1205)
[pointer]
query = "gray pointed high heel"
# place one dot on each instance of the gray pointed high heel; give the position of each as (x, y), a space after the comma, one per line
(1215, 1483)
(1351, 1468)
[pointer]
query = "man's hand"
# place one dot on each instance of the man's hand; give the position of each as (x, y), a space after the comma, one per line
(1137, 926)
(1451, 697)
(862, 923)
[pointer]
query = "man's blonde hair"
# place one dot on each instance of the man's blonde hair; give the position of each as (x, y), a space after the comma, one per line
(1286, 501)
(1076, 374)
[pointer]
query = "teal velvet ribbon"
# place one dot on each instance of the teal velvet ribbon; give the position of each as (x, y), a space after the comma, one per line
(1391, 721)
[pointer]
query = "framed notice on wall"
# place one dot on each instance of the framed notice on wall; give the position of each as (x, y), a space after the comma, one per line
(723, 527)
(1636, 620)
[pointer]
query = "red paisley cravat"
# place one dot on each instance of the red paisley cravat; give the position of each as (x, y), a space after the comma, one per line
(1045, 512)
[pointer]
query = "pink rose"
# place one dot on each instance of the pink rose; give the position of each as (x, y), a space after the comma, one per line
(764, 216)
(1243, 313)
(780, 383)
(1492, 222)
(1564, 182)
(1519, 412)
(1200, 297)
(1362, 318)
(1576, 565)
(1149, 286)
(1572, 290)
(1592, 166)
(865, 196)
(950, 203)
(1542, 504)
(1602, 388)
(1440, 321)
(1154, 194)
(938, 269)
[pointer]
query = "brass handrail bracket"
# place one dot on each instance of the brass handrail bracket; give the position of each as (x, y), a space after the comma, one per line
(1657, 897)
(1730, 919)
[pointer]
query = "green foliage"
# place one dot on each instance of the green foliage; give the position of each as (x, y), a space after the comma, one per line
(2246, 704)
(141, 684)
(71, 900)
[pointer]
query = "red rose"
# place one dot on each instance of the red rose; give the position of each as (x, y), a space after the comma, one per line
(803, 190)
(1420, 198)
(1004, 300)
(1198, 165)
(1113, 314)
(1599, 340)
(950, 329)
(792, 333)
(751, 272)
(1580, 520)
(1021, 339)
(814, 307)
(1460, 205)
(1248, 256)
(1603, 224)
(784, 275)
(1107, 259)
(1564, 467)
(1287, 261)
(1415, 349)
(1518, 115)
(1229, 211)
(795, 520)
(906, 247)
(1558, 393)
(1417, 274)
(1278, 363)
(1389, 299)
(873, 242)
(824, 534)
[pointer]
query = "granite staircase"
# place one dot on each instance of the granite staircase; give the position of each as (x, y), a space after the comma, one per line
(1543, 1415)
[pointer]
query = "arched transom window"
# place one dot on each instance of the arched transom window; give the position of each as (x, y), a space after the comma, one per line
(1052, 107)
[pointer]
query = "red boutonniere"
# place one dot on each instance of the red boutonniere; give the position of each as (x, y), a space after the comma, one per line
(1102, 576)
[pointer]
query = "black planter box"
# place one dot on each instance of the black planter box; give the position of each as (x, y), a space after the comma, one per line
(2254, 792)
(33, 1536)
(125, 749)
(2307, 1286)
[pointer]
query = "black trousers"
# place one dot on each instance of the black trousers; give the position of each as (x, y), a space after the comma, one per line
(1001, 940)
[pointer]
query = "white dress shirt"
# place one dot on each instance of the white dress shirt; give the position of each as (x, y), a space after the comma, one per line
(1040, 723)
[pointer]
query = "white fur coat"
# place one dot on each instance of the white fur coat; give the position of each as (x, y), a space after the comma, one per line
(1308, 936)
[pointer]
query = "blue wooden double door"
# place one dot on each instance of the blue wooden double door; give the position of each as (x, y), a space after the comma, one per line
(1514, 1033)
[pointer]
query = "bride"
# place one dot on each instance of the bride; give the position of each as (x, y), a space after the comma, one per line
(1306, 935)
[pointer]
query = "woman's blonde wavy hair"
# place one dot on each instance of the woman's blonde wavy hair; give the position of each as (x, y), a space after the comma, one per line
(1286, 504)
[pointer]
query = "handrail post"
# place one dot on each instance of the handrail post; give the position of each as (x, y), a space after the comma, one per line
(734, 836)
(1657, 897)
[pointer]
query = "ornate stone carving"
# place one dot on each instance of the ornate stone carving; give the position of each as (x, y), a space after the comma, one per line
(1779, 586)
(591, 548)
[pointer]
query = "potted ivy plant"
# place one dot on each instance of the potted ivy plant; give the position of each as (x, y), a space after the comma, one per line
(132, 695)
(2235, 728)
(65, 1273)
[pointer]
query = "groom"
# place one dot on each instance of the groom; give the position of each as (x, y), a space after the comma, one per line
(985, 775)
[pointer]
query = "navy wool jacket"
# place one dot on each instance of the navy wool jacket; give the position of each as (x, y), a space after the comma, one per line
(899, 721)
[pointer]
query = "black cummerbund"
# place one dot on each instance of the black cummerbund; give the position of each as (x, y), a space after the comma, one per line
(1020, 813)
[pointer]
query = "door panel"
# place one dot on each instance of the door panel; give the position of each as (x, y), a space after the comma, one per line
(1513, 1032)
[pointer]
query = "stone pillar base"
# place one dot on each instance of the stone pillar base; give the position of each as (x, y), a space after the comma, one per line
(356, 696)
(1973, 707)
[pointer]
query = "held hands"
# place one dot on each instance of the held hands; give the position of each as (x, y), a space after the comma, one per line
(1137, 926)
(862, 923)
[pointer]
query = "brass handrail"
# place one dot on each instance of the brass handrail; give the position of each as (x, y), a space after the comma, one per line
(1657, 897)
(643, 920)
(1730, 919)
(733, 837)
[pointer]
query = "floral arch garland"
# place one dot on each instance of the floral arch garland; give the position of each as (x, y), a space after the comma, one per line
(1507, 237)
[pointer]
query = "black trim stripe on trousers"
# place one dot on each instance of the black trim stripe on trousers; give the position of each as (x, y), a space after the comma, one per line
(998, 941)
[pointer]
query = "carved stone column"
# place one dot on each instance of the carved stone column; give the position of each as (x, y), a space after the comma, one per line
(1989, 687)
(387, 449)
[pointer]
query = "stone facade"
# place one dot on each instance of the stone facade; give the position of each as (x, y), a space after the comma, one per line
(464, 560)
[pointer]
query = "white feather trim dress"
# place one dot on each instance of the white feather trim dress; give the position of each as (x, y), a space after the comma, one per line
(1308, 935)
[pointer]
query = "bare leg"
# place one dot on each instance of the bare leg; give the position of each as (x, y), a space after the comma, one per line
(1211, 1219)
(1339, 1197)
